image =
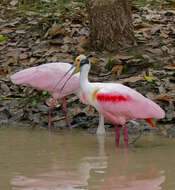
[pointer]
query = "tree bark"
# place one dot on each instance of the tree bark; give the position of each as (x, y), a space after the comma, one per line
(110, 25)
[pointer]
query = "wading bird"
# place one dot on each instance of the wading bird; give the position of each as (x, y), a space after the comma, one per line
(116, 102)
(46, 77)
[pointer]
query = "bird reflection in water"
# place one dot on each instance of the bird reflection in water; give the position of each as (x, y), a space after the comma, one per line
(104, 170)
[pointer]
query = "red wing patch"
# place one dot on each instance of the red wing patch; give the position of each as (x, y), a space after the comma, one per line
(112, 98)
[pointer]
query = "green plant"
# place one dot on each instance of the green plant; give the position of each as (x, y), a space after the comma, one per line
(110, 64)
(2, 38)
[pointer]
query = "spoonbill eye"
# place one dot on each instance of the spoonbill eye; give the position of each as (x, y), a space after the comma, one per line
(78, 60)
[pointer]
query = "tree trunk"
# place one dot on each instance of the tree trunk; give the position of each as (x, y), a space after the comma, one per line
(111, 25)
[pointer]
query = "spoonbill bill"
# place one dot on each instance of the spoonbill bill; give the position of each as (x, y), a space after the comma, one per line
(46, 77)
(116, 102)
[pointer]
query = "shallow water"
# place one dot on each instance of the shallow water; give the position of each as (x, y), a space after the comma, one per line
(39, 160)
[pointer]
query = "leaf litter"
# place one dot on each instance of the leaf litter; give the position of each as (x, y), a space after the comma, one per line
(30, 36)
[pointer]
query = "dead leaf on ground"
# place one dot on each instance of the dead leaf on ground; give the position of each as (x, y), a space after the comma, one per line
(3, 73)
(65, 48)
(94, 60)
(13, 53)
(26, 61)
(56, 30)
(165, 97)
(147, 34)
(156, 51)
(170, 67)
(166, 41)
(123, 57)
(153, 44)
(2, 47)
(7, 30)
(143, 25)
(20, 31)
(67, 39)
(13, 2)
(83, 42)
(132, 79)
(24, 55)
(89, 110)
(80, 50)
(164, 35)
(117, 69)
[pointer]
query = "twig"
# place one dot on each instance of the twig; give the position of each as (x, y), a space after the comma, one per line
(134, 141)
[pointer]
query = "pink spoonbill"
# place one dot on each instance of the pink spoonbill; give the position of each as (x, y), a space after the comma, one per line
(46, 77)
(116, 102)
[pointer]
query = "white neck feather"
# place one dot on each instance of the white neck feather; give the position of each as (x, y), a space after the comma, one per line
(85, 85)
(84, 71)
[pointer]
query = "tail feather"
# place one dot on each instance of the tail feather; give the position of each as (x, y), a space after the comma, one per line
(151, 122)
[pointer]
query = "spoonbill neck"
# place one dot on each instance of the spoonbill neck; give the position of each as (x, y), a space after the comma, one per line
(84, 82)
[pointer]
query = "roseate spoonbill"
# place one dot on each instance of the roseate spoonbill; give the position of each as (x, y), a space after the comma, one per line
(116, 102)
(46, 77)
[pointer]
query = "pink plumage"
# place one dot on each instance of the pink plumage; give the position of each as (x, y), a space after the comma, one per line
(46, 77)
(120, 104)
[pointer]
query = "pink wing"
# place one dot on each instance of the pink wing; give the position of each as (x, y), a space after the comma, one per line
(120, 104)
(46, 77)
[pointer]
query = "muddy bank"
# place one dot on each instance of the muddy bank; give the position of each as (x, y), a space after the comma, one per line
(34, 38)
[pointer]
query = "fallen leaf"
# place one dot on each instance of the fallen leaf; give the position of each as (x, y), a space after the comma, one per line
(147, 34)
(135, 60)
(164, 35)
(65, 48)
(2, 47)
(7, 30)
(56, 30)
(20, 31)
(153, 44)
(122, 57)
(166, 41)
(13, 2)
(149, 79)
(170, 67)
(80, 50)
(24, 55)
(132, 79)
(26, 61)
(89, 110)
(56, 42)
(117, 69)
(67, 39)
(142, 25)
(13, 53)
(156, 51)
(94, 60)
(3, 73)
(165, 97)
(83, 42)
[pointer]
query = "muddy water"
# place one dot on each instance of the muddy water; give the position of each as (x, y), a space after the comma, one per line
(38, 160)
